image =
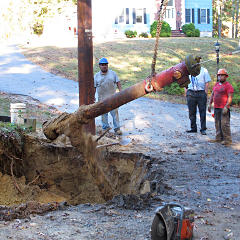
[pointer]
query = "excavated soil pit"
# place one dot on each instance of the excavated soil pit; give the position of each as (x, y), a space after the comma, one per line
(33, 169)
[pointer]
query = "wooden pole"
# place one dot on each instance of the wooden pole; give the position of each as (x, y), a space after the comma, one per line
(85, 58)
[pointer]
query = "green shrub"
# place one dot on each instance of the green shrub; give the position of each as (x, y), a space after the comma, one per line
(164, 34)
(174, 89)
(130, 34)
(165, 30)
(190, 33)
(236, 95)
(188, 27)
(190, 30)
(143, 34)
(196, 33)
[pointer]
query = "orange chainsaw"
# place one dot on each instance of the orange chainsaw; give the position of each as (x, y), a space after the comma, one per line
(172, 222)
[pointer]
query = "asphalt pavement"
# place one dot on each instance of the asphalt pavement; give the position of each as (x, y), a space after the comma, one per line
(20, 76)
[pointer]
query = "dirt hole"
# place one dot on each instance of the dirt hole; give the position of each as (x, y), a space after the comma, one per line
(34, 169)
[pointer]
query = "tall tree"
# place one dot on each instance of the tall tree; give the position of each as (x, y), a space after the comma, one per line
(237, 15)
(233, 17)
(19, 16)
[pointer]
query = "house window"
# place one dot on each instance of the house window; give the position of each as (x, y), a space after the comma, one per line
(139, 15)
(168, 13)
(121, 17)
(170, 3)
(203, 16)
(189, 15)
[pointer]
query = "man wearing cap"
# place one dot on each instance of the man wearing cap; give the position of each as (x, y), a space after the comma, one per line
(197, 97)
(222, 98)
(106, 82)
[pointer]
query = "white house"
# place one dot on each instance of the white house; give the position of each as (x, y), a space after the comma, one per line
(113, 18)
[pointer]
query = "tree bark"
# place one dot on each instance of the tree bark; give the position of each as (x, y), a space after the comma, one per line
(233, 17)
(237, 15)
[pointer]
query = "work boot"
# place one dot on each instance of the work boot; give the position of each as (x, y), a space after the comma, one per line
(203, 132)
(215, 140)
(118, 132)
(106, 129)
(227, 143)
(191, 131)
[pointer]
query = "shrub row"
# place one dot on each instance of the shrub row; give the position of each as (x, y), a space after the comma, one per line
(165, 31)
(133, 34)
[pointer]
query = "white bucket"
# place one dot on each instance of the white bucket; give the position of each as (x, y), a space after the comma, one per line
(18, 112)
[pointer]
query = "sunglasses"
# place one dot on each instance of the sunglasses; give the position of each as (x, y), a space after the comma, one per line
(103, 64)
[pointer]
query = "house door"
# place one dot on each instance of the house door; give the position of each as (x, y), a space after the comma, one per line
(178, 20)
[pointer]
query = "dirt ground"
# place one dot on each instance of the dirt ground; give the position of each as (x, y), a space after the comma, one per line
(186, 169)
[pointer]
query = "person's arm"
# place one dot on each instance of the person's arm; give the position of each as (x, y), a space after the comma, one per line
(185, 92)
(119, 86)
(229, 100)
(210, 102)
(207, 80)
(206, 87)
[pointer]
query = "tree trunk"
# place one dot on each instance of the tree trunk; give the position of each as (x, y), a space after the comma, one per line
(233, 17)
(237, 14)
(218, 9)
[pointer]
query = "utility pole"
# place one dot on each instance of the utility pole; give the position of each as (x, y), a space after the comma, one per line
(85, 57)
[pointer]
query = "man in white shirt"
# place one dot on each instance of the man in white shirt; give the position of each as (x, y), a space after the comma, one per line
(106, 82)
(196, 94)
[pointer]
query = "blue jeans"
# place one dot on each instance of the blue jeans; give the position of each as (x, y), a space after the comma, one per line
(115, 117)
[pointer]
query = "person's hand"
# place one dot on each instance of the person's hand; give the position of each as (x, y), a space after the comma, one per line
(225, 110)
(209, 108)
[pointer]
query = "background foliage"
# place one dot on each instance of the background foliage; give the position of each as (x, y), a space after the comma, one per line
(28, 16)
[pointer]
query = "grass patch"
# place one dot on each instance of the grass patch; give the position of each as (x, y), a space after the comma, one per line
(132, 59)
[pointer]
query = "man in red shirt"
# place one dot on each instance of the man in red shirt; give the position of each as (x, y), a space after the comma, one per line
(222, 98)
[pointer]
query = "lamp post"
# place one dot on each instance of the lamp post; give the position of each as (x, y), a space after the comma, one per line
(217, 49)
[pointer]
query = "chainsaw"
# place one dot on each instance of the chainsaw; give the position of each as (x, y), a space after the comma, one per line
(172, 222)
